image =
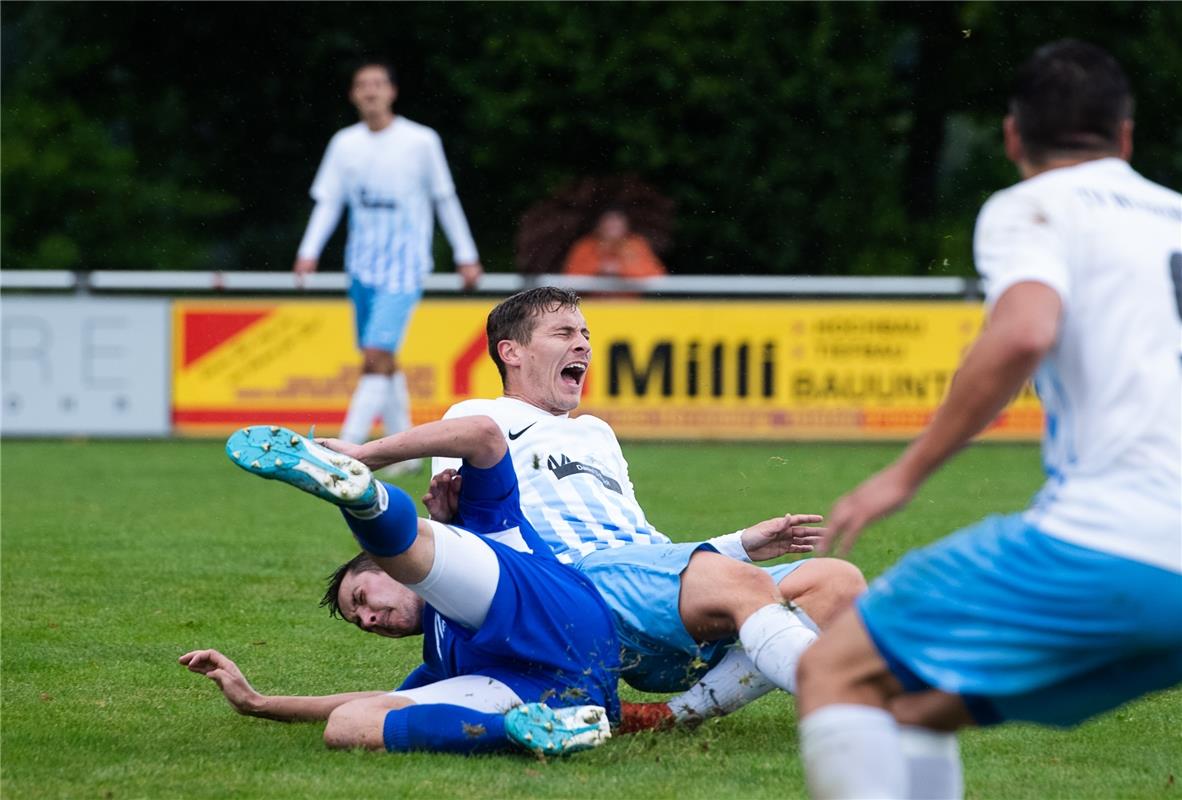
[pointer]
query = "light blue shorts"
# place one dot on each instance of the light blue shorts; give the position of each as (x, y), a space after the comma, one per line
(381, 317)
(1026, 626)
(642, 586)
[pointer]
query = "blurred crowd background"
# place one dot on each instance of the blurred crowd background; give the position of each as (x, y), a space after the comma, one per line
(798, 138)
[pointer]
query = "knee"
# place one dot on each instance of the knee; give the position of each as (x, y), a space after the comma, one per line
(340, 732)
(843, 580)
(359, 723)
(378, 362)
(824, 587)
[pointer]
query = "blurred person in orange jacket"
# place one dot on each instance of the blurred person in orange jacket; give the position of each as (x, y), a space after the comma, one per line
(612, 250)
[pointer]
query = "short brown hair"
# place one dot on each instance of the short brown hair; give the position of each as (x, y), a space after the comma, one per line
(515, 318)
(1070, 97)
(358, 563)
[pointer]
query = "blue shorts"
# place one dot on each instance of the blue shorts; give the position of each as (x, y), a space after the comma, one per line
(642, 586)
(381, 317)
(1026, 626)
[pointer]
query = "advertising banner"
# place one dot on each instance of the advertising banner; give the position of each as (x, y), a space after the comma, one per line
(677, 369)
(84, 366)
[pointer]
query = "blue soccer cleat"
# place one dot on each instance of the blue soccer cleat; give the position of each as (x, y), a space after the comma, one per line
(279, 454)
(557, 731)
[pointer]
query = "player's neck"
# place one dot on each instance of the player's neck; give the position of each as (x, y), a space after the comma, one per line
(521, 398)
(379, 122)
(1029, 170)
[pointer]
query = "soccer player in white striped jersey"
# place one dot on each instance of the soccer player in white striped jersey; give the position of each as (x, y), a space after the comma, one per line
(393, 176)
(668, 598)
(1073, 607)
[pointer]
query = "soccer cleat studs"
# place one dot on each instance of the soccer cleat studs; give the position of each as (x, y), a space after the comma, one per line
(277, 453)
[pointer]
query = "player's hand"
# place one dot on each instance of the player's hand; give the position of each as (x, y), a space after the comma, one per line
(225, 673)
(791, 533)
(347, 448)
(304, 266)
(470, 274)
(879, 495)
(442, 499)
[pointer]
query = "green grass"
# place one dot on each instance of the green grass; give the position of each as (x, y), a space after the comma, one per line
(120, 556)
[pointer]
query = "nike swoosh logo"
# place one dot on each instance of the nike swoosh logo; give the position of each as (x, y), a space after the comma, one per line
(513, 436)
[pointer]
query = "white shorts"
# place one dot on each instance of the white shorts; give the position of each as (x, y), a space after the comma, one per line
(470, 691)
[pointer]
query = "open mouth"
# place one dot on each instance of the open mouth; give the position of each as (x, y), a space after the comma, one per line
(572, 373)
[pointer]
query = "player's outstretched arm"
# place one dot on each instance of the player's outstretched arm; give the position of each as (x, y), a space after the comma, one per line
(477, 440)
(1021, 329)
(245, 700)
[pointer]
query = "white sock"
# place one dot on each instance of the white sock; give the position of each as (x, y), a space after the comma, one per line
(852, 751)
(774, 638)
(933, 764)
(731, 684)
(369, 398)
(380, 504)
(396, 411)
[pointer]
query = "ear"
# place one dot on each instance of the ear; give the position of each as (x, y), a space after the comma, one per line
(1125, 139)
(394, 96)
(1013, 141)
(510, 352)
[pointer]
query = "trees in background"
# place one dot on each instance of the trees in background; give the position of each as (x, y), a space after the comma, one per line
(794, 138)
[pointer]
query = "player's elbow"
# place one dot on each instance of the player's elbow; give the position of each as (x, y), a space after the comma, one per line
(488, 445)
(1031, 339)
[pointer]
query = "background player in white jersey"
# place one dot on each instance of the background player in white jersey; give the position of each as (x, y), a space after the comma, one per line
(1074, 606)
(668, 598)
(506, 629)
(392, 174)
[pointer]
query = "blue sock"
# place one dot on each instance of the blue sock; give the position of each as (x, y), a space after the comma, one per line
(392, 531)
(444, 729)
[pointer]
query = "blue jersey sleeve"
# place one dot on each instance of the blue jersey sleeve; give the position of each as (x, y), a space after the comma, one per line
(489, 500)
(491, 503)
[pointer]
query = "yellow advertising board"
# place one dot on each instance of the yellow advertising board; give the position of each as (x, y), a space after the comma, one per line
(675, 369)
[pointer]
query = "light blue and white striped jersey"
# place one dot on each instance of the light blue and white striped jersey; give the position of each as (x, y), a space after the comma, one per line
(572, 475)
(392, 181)
(1109, 242)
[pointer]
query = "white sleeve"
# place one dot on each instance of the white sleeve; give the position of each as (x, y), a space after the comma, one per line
(731, 545)
(455, 227)
(329, 185)
(1018, 238)
(322, 223)
(448, 208)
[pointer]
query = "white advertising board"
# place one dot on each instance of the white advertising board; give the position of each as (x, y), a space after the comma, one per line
(81, 366)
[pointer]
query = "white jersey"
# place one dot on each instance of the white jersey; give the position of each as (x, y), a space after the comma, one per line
(572, 475)
(1109, 243)
(392, 180)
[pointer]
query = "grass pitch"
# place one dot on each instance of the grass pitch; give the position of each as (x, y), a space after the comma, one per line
(120, 556)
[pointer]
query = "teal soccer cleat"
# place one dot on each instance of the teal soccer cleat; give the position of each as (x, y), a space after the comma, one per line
(279, 454)
(557, 731)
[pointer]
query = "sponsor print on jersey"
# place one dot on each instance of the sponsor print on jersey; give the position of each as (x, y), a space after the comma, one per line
(563, 467)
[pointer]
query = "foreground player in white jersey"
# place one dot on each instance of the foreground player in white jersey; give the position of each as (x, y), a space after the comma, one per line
(392, 174)
(1074, 606)
(668, 598)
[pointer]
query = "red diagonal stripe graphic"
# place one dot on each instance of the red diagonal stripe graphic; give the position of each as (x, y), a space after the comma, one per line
(205, 330)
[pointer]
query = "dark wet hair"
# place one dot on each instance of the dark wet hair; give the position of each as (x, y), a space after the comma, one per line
(358, 563)
(1069, 98)
(515, 318)
(380, 63)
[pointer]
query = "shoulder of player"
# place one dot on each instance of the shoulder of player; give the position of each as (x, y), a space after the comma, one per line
(417, 130)
(592, 422)
(348, 134)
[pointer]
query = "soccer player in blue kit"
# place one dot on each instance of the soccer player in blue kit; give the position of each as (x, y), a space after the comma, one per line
(1074, 606)
(519, 649)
